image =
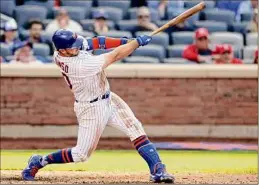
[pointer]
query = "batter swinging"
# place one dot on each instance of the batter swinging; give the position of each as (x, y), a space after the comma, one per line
(95, 106)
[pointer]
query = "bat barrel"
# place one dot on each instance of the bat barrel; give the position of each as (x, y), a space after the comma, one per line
(181, 17)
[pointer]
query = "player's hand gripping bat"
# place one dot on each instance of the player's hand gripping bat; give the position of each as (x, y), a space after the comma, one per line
(180, 18)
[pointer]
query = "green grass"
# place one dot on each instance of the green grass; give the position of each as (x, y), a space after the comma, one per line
(130, 161)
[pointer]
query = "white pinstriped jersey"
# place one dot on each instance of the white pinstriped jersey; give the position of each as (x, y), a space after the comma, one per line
(88, 81)
(84, 75)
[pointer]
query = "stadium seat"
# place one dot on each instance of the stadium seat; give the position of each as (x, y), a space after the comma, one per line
(151, 51)
(49, 59)
(153, 13)
(87, 23)
(172, 13)
(241, 27)
(127, 25)
(41, 49)
(46, 22)
(228, 4)
(246, 16)
(212, 26)
(5, 50)
(141, 59)
(78, 3)
(9, 58)
(47, 35)
(183, 37)
(114, 14)
(7, 7)
(209, 3)
(75, 13)
(226, 16)
(251, 39)
(162, 22)
(23, 33)
(178, 61)
(123, 5)
(248, 52)
(25, 13)
(86, 34)
(237, 52)
(159, 39)
(175, 51)
(117, 34)
(235, 39)
(248, 61)
(87, 5)
(47, 4)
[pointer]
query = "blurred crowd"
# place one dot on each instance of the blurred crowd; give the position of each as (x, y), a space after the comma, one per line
(26, 34)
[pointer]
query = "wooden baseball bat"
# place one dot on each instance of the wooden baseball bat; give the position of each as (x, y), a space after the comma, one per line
(181, 17)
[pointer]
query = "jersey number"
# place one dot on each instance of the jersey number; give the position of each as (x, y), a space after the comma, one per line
(65, 70)
(67, 80)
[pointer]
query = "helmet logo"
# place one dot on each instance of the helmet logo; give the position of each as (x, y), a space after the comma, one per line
(74, 35)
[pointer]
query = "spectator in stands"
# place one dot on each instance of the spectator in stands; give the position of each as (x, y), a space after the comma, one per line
(246, 6)
(144, 21)
(256, 57)
(163, 5)
(253, 26)
(35, 28)
(63, 20)
(224, 54)
(23, 54)
(10, 34)
(160, 6)
(199, 51)
(100, 22)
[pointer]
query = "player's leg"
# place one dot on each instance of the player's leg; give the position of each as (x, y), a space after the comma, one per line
(92, 121)
(124, 119)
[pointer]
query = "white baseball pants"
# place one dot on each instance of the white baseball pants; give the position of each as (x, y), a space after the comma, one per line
(93, 118)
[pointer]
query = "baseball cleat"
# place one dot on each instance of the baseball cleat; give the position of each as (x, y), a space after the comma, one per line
(160, 175)
(34, 164)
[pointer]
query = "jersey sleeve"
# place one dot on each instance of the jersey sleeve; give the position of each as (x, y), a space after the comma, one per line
(92, 66)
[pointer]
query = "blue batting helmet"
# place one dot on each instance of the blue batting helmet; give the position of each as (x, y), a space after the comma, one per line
(64, 39)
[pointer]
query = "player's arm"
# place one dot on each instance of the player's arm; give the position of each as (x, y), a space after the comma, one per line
(125, 50)
(102, 42)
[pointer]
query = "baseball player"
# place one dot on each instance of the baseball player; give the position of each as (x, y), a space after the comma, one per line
(95, 105)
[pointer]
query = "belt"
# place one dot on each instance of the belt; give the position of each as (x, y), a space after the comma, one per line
(105, 96)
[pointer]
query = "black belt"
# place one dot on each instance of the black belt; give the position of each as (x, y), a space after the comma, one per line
(105, 96)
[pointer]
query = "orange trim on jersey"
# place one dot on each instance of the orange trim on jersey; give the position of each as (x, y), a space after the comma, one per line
(63, 156)
(95, 43)
(112, 42)
(141, 141)
(68, 160)
(109, 43)
(138, 139)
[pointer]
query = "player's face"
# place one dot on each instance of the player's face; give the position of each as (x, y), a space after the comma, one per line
(71, 52)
